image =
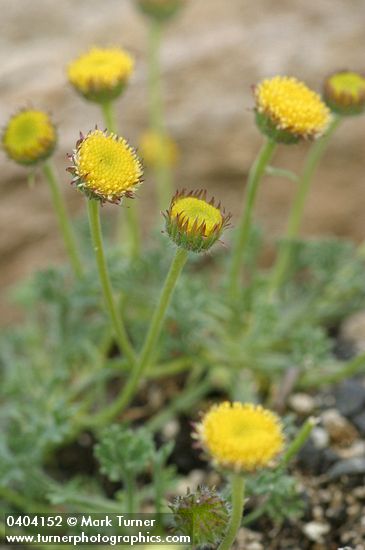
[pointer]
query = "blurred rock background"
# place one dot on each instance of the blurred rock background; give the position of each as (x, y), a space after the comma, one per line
(212, 55)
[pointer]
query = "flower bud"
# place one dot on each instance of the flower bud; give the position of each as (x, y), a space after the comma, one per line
(194, 223)
(344, 93)
(203, 516)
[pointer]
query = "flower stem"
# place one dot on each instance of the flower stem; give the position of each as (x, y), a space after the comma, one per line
(243, 230)
(238, 501)
(299, 441)
(109, 116)
(351, 368)
(115, 317)
(163, 170)
(63, 220)
(134, 237)
(315, 154)
(150, 341)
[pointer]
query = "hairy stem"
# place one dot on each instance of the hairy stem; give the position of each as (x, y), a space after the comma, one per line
(244, 227)
(238, 501)
(295, 217)
(133, 230)
(63, 220)
(150, 342)
(109, 116)
(299, 440)
(114, 313)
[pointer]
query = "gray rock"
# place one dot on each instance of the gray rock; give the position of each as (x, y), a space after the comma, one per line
(350, 397)
(315, 460)
(359, 421)
(352, 466)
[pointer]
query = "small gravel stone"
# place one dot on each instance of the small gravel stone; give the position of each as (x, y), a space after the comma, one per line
(302, 403)
(320, 437)
(340, 430)
(170, 429)
(350, 397)
(315, 530)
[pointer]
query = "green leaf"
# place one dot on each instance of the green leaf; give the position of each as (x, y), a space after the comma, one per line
(123, 452)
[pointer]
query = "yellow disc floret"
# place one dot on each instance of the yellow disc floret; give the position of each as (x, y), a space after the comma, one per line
(289, 107)
(241, 437)
(344, 92)
(29, 136)
(194, 223)
(106, 167)
(101, 74)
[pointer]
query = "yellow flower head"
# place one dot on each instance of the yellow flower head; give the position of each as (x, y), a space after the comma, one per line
(157, 150)
(194, 223)
(344, 93)
(29, 137)
(101, 74)
(241, 437)
(105, 167)
(160, 9)
(287, 110)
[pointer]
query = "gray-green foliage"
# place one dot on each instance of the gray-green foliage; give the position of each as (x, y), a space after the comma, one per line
(58, 366)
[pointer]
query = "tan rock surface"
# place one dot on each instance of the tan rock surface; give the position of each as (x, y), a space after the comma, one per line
(211, 56)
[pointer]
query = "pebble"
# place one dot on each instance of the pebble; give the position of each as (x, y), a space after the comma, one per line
(350, 397)
(249, 540)
(302, 403)
(359, 492)
(314, 530)
(320, 437)
(170, 430)
(340, 430)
